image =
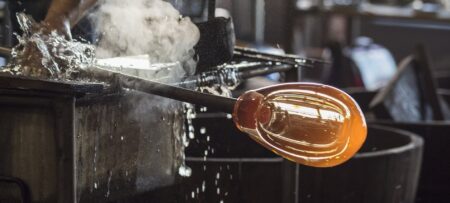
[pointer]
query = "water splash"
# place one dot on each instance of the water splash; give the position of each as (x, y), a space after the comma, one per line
(108, 186)
(45, 54)
(189, 112)
(184, 170)
(202, 130)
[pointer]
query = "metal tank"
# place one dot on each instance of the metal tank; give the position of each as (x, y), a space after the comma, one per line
(85, 142)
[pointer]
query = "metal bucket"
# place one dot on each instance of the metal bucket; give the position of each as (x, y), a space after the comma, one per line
(434, 182)
(386, 169)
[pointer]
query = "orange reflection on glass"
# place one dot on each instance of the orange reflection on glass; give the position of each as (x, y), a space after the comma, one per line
(311, 124)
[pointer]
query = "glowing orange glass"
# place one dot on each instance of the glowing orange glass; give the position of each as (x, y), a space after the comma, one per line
(311, 124)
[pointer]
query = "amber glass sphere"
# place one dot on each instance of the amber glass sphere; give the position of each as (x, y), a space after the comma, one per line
(311, 124)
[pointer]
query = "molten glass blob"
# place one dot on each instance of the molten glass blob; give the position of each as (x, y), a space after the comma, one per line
(311, 124)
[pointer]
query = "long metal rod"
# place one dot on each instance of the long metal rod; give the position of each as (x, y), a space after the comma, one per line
(243, 72)
(177, 93)
(285, 58)
(264, 71)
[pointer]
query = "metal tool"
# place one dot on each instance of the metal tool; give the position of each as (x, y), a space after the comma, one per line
(294, 60)
(231, 75)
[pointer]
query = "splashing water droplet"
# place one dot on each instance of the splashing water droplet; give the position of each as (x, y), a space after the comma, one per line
(202, 130)
(184, 171)
(45, 54)
(191, 135)
(109, 184)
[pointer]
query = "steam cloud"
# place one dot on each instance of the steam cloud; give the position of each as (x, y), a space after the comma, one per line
(152, 27)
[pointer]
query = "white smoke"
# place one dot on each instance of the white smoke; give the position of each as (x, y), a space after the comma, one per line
(154, 28)
(137, 27)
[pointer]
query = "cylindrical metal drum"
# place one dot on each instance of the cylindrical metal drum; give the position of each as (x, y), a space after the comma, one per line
(434, 182)
(228, 166)
(386, 169)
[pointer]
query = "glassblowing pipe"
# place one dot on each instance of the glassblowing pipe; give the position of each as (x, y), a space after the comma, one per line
(135, 83)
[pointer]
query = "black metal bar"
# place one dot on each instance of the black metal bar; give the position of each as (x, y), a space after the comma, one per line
(212, 101)
(211, 9)
(254, 66)
(286, 58)
(24, 189)
(261, 57)
(243, 72)
(264, 71)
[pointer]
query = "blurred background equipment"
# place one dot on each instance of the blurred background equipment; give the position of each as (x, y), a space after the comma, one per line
(364, 40)
(375, 63)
